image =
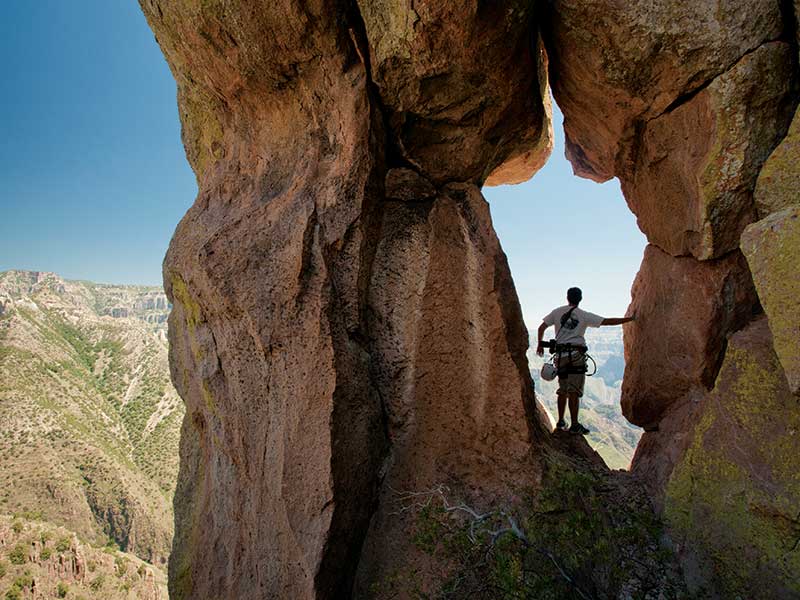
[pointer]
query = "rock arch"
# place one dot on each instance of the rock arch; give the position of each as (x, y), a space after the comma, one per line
(344, 319)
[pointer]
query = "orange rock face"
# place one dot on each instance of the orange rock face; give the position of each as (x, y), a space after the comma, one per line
(694, 168)
(684, 309)
(617, 65)
(462, 84)
(452, 372)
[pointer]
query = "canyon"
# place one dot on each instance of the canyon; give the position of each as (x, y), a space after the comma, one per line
(347, 338)
(89, 428)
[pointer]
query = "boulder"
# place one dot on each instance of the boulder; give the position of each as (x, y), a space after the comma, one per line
(691, 177)
(684, 309)
(778, 184)
(462, 85)
(732, 500)
(661, 448)
(772, 248)
(613, 64)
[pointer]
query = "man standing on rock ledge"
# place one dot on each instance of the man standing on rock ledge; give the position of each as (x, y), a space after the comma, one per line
(571, 323)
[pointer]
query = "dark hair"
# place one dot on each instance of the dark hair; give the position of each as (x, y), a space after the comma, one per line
(574, 295)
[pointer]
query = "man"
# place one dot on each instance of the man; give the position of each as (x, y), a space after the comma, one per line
(571, 323)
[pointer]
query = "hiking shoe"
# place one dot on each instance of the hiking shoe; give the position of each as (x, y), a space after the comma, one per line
(562, 425)
(578, 428)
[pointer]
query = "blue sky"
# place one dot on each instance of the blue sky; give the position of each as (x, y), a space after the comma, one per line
(559, 231)
(93, 178)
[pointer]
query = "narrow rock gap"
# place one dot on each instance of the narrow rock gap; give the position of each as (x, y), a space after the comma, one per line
(542, 266)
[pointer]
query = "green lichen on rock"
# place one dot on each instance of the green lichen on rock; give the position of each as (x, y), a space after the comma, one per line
(200, 110)
(191, 308)
(778, 184)
(192, 318)
(201, 128)
(187, 507)
(772, 248)
(732, 500)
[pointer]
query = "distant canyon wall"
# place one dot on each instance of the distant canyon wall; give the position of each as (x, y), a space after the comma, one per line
(344, 322)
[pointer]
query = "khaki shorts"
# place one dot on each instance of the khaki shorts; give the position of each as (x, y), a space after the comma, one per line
(572, 382)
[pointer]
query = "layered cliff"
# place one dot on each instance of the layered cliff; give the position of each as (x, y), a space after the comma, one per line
(346, 331)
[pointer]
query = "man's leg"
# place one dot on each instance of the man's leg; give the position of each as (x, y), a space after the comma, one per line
(562, 404)
(574, 397)
(573, 406)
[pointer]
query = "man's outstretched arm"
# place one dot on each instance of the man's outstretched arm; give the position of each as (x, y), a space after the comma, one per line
(618, 320)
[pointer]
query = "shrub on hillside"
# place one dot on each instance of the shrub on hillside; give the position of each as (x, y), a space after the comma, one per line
(14, 594)
(121, 566)
(18, 555)
(24, 581)
(62, 589)
(63, 544)
(97, 583)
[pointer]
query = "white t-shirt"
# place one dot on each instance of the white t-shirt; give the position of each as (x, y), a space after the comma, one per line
(575, 326)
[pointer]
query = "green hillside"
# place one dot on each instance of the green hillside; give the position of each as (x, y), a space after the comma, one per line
(89, 421)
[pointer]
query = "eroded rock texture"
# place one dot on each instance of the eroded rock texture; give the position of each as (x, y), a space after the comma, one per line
(452, 372)
(685, 310)
(694, 168)
(616, 64)
(345, 326)
(772, 247)
(268, 275)
(734, 492)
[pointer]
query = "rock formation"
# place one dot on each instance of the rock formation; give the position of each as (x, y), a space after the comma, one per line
(690, 105)
(734, 492)
(685, 310)
(344, 322)
(312, 381)
(52, 562)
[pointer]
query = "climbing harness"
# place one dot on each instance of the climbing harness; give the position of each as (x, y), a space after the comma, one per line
(576, 355)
